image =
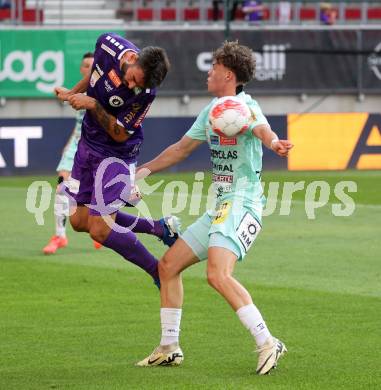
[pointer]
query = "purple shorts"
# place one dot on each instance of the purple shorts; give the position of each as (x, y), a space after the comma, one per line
(103, 184)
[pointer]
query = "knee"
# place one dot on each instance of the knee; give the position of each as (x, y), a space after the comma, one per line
(166, 267)
(98, 232)
(216, 279)
(78, 224)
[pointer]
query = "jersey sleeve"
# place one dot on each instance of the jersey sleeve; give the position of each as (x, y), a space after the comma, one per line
(132, 117)
(198, 129)
(257, 115)
(113, 45)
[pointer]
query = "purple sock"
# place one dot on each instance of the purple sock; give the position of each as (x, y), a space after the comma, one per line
(140, 225)
(128, 246)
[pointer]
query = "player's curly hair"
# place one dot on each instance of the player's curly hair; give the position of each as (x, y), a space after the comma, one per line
(238, 58)
(155, 65)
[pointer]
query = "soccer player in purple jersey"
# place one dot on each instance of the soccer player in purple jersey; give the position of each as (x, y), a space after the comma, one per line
(120, 90)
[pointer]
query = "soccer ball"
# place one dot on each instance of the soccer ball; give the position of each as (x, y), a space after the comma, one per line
(229, 116)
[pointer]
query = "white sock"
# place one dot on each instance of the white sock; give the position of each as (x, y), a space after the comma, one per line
(170, 325)
(252, 319)
(61, 211)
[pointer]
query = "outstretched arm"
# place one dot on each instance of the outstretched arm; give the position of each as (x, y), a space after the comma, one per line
(271, 140)
(172, 155)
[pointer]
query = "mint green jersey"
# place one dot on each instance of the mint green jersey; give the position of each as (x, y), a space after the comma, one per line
(67, 159)
(78, 124)
(236, 162)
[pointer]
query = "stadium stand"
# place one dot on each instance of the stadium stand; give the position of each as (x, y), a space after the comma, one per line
(118, 12)
(193, 11)
(19, 11)
(75, 12)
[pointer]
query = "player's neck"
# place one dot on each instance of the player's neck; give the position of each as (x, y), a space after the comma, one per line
(228, 90)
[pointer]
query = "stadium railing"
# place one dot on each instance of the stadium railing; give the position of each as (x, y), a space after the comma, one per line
(201, 11)
(191, 12)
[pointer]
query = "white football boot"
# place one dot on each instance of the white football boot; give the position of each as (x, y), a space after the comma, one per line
(269, 354)
(167, 355)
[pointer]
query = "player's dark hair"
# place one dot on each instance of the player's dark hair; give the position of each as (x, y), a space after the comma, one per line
(89, 54)
(155, 65)
(238, 58)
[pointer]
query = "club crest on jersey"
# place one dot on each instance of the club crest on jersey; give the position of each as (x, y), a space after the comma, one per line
(115, 101)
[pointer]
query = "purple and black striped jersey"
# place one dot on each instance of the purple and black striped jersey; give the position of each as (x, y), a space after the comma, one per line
(129, 106)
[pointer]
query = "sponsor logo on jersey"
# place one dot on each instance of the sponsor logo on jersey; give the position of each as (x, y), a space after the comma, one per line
(131, 115)
(223, 167)
(114, 78)
(228, 141)
(214, 140)
(218, 140)
(109, 51)
(136, 147)
(248, 230)
(141, 117)
(108, 87)
(222, 213)
(222, 178)
(99, 69)
(224, 155)
(115, 101)
(95, 76)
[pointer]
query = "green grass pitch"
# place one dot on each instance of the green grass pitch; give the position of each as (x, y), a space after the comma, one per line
(80, 319)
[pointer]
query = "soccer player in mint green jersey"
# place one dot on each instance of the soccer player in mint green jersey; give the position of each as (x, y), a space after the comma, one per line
(224, 236)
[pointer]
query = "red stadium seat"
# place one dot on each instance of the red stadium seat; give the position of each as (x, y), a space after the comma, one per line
(31, 15)
(266, 14)
(144, 14)
(307, 13)
(191, 14)
(5, 14)
(220, 14)
(168, 14)
(28, 15)
(239, 14)
(352, 13)
(374, 13)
